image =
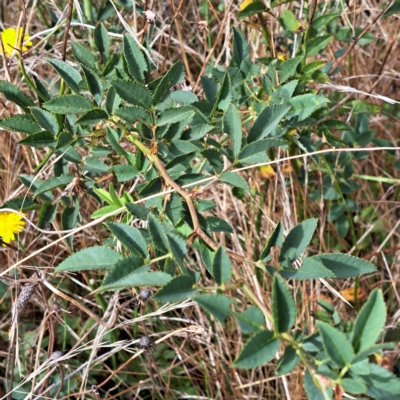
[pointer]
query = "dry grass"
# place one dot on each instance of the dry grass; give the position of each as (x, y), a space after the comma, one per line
(193, 366)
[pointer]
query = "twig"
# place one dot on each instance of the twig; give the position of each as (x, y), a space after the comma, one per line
(67, 27)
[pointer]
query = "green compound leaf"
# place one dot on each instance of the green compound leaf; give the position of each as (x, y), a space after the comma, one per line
(234, 179)
(178, 289)
(16, 95)
(310, 269)
(252, 320)
(134, 58)
(68, 104)
(369, 322)
(283, 306)
(316, 45)
(267, 121)
(296, 242)
(175, 74)
(39, 139)
(53, 183)
(305, 104)
(96, 257)
(173, 115)
(344, 266)
(289, 22)
(222, 270)
(382, 384)
(68, 73)
(288, 362)
(276, 239)
(23, 123)
(46, 120)
(83, 55)
(232, 126)
(336, 345)
(133, 92)
(130, 237)
(217, 305)
(258, 350)
(92, 117)
(94, 84)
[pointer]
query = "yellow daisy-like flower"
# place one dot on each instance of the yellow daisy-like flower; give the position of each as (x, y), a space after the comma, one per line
(10, 224)
(11, 40)
(245, 3)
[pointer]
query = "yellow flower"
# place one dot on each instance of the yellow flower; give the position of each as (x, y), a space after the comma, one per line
(267, 172)
(281, 56)
(245, 3)
(11, 40)
(10, 224)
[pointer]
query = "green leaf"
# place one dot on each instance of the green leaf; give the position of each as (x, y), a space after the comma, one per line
(94, 84)
(283, 307)
(178, 289)
(173, 115)
(323, 20)
(138, 211)
(134, 58)
(369, 322)
(217, 305)
(222, 270)
(334, 124)
(103, 211)
(241, 48)
(253, 8)
(288, 68)
(130, 272)
(133, 92)
(68, 104)
(234, 179)
(345, 34)
(96, 257)
(267, 121)
(23, 123)
(224, 95)
(312, 67)
(133, 114)
(174, 209)
(92, 117)
(196, 132)
(32, 183)
(15, 95)
(130, 237)
(218, 225)
(113, 101)
(316, 45)
(310, 269)
(210, 88)
(69, 219)
(101, 40)
(183, 97)
(46, 120)
(83, 55)
(175, 74)
(344, 266)
(353, 386)
(276, 239)
(113, 139)
(68, 73)
(258, 350)
(232, 126)
(39, 139)
(249, 152)
(47, 214)
(289, 22)
(305, 104)
(252, 320)
(288, 362)
(214, 158)
(124, 173)
(382, 384)
(283, 93)
(53, 183)
(296, 242)
(177, 245)
(157, 234)
(336, 345)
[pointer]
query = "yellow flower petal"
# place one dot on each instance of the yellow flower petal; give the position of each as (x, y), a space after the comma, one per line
(11, 40)
(10, 224)
(267, 172)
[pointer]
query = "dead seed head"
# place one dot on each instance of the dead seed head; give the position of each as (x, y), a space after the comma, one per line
(150, 16)
(146, 344)
(202, 26)
(145, 295)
